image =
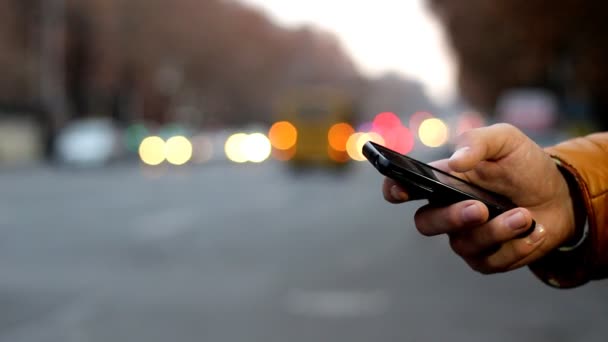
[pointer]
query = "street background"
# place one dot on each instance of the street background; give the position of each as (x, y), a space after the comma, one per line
(191, 170)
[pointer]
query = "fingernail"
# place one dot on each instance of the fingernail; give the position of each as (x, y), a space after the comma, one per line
(471, 213)
(537, 235)
(398, 194)
(516, 221)
(461, 152)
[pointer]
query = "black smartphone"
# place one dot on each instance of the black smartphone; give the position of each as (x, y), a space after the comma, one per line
(425, 181)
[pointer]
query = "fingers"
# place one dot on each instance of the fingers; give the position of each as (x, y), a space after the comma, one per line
(488, 143)
(441, 164)
(479, 240)
(457, 217)
(511, 255)
(488, 247)
(496, 246)
(393, 192)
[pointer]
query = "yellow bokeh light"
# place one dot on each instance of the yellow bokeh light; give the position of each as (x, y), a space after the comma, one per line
(351, 146)
(234, 148)
(338, 136)
(178, 150)
(283, 135)
(355, 143)
(152, 150)
(256, 147)
(433, 132)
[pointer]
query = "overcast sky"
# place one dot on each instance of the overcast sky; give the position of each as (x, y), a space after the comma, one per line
(380, 35)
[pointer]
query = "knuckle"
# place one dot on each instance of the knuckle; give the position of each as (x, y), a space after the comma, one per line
(480, 266)
(456, 244)
(424, 230)
(466, 136)
(422, 223)
(387, 196)
(503, 125)
(506, 127)
(509, 129)
(496, 267)
(485, 271)
(488, 265)
(460, 246)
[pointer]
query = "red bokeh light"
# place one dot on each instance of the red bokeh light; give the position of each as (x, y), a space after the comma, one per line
(385, 122)
(469, 121)
(399, 139)
(395, 135)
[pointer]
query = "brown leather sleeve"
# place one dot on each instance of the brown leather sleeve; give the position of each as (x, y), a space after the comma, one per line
(586, 159)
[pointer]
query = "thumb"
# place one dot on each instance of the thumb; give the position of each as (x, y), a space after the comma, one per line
(490, 143)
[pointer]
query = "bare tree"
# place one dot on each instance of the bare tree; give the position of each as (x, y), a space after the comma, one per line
(558, 45)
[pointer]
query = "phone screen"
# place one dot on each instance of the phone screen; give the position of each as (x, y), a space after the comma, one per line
(437, 175)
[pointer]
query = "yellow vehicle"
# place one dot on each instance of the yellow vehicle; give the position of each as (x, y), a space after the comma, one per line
(315, 124)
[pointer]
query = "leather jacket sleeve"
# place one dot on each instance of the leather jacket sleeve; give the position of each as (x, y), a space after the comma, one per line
(586, 160)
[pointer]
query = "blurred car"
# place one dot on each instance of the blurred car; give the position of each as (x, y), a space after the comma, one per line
(321, 120)
(536, 112)
(20, 141)
(87, 143)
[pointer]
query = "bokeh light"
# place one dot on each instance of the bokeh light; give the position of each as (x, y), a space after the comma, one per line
(385, 122)
(468, 121)
(234, 148)
(338, 136)
(433, 132)
(256, 147)
(284, 155)
(400, 139)
(178, 150)
(356, 141)
(283, 135)
(395, 135)
(417, 118)
(152, 150)
(371, 136)
(338, 156)
(351, 146)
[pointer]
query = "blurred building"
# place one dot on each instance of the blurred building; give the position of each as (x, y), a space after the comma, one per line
(394, 93)
(202, 63)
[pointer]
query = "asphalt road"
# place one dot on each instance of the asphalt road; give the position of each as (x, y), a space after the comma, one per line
(227, 253)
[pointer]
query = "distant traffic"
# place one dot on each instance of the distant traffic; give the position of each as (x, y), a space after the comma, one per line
(342, 141)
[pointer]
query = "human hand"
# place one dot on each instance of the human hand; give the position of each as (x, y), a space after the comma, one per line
(502, 159)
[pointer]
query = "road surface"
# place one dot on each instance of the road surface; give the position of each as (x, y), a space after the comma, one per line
(231, 253)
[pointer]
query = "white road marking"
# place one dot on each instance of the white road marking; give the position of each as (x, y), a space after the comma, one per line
(336, 304)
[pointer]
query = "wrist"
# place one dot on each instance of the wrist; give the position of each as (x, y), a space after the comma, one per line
(576, 211)
(569, 264)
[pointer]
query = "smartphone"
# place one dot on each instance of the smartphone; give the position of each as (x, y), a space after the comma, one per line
(425, 181)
